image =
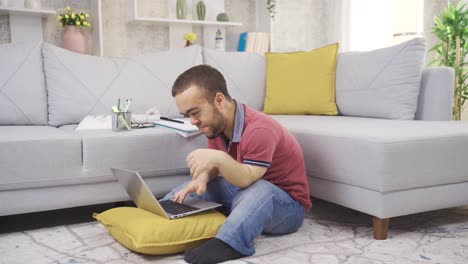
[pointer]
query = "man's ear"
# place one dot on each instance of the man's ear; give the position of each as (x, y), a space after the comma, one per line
(219, 100)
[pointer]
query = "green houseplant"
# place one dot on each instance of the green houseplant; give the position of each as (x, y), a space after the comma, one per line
(452, 30)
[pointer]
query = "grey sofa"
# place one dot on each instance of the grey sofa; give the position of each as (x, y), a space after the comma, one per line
(379, 166)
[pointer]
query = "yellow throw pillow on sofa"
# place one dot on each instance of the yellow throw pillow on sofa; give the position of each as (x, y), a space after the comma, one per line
(301, 82)
(147, 233)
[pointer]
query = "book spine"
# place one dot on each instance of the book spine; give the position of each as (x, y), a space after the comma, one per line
(250, 41)
(242, 41)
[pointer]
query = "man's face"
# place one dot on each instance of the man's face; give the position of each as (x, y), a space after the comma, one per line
(202, 113)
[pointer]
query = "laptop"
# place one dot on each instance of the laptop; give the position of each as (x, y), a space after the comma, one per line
(143, 197)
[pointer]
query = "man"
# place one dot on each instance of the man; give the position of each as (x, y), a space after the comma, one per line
(253, 166)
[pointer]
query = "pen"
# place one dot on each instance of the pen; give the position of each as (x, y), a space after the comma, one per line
(172, 120)
(127, 106)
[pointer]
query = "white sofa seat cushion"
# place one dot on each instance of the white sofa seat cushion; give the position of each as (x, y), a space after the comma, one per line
(23, 98)
(80, 85)
(382, 155)
(152, 151)
(32, 156)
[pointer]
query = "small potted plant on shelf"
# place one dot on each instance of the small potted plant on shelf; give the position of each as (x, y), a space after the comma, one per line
(73, 23)
(189, 38)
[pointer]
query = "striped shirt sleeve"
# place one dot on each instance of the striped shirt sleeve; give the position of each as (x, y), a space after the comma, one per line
(258, 147)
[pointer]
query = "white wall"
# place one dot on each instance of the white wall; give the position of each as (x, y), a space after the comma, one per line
(370, 24)
(356, 24)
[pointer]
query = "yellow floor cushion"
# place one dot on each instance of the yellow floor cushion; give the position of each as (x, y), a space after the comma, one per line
(147, 233)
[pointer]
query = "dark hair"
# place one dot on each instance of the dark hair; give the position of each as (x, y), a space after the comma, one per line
(205, 77)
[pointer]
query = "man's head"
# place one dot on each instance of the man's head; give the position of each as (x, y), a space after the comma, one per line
(201, 94)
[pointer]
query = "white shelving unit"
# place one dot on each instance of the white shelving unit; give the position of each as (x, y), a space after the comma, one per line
(186, 21)
(96, 29)
(26, 23)
(178, 27)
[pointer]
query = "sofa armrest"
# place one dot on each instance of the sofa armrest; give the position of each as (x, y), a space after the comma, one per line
(436, 95)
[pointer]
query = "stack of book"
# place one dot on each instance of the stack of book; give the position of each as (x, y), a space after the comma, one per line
(254, 42)
(181, 126)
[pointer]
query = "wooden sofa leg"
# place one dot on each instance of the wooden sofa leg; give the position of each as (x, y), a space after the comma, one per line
(380, 227)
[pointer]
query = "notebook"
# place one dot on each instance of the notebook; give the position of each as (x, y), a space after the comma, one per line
(186, 129)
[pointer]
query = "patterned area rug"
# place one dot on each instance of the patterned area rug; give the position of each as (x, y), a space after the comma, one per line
(330, 234)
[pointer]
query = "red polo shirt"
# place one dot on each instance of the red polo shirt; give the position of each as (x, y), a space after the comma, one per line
(261, 141)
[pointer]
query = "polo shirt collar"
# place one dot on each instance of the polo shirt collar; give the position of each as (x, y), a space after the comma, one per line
(238, 123)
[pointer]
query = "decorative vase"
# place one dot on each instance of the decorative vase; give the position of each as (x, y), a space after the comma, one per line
(187, 43)
(74, 39)
(201, 10)
(36, 4)
(181, 9)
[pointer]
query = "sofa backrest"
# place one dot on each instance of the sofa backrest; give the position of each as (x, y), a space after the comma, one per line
(436, 94)
(386, 83)
(23, 96)
(80, 85)
(244, 73)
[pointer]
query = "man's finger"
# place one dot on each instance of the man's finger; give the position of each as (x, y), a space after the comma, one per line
(193, 169)
(196, 173)
(189, 157)
(175, 197)
(190, 162)
(201, 189)
(182, 197)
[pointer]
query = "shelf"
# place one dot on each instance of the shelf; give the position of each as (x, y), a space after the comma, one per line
(186, 21)
(26, 23)
(26, 11)
(179, 27)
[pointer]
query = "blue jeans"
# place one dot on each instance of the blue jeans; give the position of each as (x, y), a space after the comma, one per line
(260, 208)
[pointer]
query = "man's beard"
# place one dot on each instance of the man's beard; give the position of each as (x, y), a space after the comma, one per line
(218, 124)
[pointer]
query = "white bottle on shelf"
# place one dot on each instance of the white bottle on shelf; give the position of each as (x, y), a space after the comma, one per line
(219, 41)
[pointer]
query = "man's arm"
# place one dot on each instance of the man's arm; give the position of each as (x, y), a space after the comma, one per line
(236, 173)
(239, 174)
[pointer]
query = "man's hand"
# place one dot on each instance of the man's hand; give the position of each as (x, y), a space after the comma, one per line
(204, 161)
(193, 186)
(198, 185)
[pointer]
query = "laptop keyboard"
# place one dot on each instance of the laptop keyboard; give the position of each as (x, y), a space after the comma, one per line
(176, 208)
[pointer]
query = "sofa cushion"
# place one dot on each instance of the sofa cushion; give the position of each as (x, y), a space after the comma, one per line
(23, 98)
(301, 82)
(382, 155)
(151, 151)
(33, 155)
(80, 85)
(244, 73)
(383, 83)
